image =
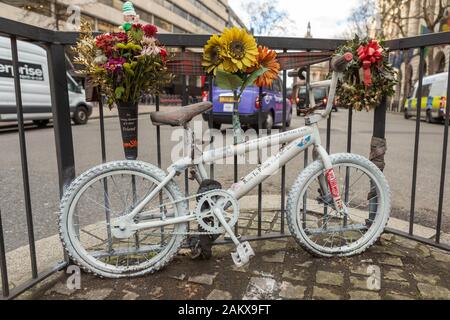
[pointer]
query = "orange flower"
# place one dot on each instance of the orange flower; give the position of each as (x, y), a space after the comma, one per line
(267, 59)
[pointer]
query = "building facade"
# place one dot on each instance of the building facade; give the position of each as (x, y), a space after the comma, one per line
(175, 16)
(407, 63)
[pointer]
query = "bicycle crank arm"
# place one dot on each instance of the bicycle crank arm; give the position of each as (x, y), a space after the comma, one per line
(243, 250)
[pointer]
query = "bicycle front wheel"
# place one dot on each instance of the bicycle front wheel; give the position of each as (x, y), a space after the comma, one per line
(319, 227)
(102, 194)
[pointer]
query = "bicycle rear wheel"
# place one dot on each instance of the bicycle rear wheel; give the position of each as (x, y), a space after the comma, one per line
(106, 192)
(315, 223)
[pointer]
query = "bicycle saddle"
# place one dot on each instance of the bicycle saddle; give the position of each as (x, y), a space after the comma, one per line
(179, 116)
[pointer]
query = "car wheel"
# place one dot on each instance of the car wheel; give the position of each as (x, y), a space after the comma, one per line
(429, 117)
(407, 116)
(214, 125)
(289, 120)
(268, 124)
(41, 123)
(81, 115)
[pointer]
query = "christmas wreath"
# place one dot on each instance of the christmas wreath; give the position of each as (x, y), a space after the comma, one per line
(368, 77)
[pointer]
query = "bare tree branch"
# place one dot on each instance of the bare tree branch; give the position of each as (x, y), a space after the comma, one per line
(266, 17)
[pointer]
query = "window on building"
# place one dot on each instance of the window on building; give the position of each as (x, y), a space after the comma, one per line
(89, 19)
(179, 30)
(200, 5)
(163, 24)
(182, 13)
(43, 7)
(104, 26)
(144, 15)
(109, 3)
(61, 12)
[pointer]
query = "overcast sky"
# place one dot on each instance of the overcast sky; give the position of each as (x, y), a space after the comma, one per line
(327, 17)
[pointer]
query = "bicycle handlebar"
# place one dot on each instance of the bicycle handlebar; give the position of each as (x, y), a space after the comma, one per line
(338, 65)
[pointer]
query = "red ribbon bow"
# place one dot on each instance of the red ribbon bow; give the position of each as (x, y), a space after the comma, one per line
(369, 54)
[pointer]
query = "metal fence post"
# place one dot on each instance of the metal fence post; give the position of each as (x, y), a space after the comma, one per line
(61, 115)
(379, 120)
(24, 157)
(377, 149)
(3, 266)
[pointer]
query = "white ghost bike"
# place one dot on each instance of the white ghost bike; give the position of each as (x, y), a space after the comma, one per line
(129, 218)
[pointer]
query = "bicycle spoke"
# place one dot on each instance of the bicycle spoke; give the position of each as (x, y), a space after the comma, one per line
(327, 227)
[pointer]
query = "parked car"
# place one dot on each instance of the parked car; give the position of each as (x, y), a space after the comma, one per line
(434, 97)
(320, 92)
(35, 86)
(249, 106)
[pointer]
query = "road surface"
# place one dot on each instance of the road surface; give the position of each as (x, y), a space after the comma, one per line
(44, 178)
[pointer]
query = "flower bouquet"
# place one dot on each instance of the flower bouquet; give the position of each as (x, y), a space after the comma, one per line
(236, 61)
(124, 65)
(369, 75)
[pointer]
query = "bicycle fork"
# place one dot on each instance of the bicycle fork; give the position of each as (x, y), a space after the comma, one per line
(328, 185)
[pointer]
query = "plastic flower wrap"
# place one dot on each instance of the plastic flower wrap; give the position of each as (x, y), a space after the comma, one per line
(125, 64)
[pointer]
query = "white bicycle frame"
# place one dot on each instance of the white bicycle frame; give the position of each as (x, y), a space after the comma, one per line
(296, 140)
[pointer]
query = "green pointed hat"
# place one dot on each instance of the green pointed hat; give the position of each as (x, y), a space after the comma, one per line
(128, 9)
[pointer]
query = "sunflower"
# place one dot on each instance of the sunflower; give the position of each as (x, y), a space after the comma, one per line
(239, 50)
(266, 59)
(212, 58)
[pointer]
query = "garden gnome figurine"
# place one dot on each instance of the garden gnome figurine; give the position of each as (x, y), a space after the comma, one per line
(129, 16)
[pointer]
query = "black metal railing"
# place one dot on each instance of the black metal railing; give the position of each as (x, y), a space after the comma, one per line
(55, 43)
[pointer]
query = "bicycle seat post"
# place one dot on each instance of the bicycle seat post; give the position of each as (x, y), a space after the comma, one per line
(189, 141)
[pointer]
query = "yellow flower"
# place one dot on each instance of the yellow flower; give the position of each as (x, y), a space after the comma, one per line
(212, 58)
(267, 59)
(239, 50)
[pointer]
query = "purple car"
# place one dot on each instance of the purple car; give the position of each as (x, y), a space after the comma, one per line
(272, 107)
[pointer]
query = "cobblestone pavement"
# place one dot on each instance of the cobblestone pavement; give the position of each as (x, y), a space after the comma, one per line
(394, 268)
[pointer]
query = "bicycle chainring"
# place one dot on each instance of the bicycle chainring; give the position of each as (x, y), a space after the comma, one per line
(222, 200)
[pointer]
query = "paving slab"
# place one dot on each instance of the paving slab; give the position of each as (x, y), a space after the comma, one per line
(279, 270)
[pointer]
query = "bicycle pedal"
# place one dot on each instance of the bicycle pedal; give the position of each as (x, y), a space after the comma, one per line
(243, 254)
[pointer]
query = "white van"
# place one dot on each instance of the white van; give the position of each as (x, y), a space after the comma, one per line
(36, 99)
(434, 98)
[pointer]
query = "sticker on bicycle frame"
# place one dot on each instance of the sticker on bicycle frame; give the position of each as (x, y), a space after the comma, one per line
(304, 141)
(227, 99)
(334, 189)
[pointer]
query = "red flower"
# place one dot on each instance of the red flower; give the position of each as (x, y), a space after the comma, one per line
(107, 41)
(120, 37)
(163, 53)
(150, 30)
(137, 26)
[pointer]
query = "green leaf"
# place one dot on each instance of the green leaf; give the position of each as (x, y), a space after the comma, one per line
(252, 77)
(227, 81)
(119, 92)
